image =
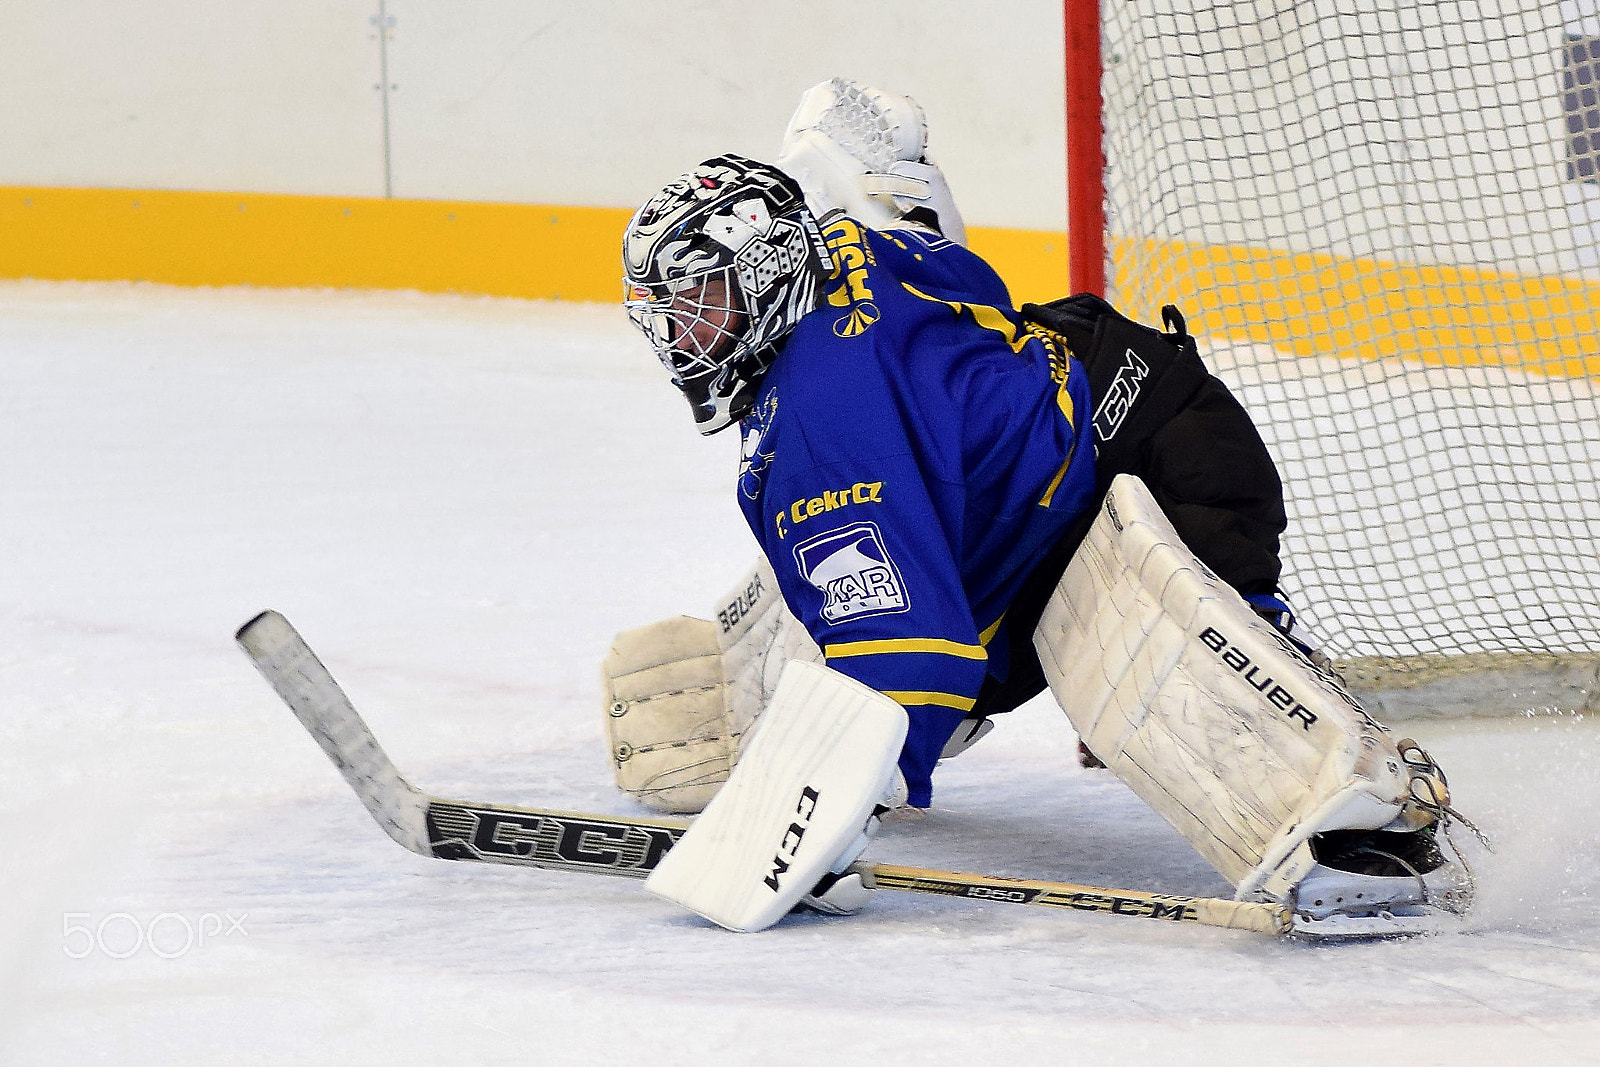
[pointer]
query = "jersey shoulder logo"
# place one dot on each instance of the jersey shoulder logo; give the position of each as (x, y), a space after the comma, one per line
(849, 286)
(854, 572)
(755, 448)
(857, 320)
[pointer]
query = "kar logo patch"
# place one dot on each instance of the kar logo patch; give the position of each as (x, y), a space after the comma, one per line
(854, 571)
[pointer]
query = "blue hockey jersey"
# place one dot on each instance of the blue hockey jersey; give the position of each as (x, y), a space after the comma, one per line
(912, 453)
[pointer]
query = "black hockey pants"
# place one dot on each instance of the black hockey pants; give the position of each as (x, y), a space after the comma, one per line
(1158, 414)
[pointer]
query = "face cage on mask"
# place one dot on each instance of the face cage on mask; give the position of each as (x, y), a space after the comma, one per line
(695, 325)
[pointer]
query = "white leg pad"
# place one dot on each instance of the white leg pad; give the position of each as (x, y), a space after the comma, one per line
(822, 756)
(1203, 709)
(758, 636)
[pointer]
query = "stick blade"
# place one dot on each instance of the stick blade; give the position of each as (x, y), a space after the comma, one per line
(298, 676)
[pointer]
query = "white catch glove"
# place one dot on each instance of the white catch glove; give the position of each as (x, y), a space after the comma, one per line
(681, 696)
(862, 151)
(758, 635)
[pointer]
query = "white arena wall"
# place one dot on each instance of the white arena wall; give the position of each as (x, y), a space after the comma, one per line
(504, 102)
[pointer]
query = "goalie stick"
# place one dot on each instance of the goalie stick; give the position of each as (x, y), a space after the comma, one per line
(617, 845)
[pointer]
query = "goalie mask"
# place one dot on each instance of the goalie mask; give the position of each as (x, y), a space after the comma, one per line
(719, 267)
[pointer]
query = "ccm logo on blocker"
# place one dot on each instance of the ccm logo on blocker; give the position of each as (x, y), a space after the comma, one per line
(792, 836)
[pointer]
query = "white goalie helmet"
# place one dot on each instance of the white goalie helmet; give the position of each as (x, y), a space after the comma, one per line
(719, 267)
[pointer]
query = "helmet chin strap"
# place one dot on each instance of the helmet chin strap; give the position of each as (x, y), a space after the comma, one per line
(712, 414)
(716, 409)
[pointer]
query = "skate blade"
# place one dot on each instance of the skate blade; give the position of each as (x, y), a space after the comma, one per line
(1399, 922)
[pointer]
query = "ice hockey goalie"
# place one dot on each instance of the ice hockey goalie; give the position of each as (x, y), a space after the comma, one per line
(1211, 713)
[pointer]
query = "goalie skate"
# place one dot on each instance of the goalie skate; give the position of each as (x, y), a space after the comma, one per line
(1391, 882)
(1382, 884)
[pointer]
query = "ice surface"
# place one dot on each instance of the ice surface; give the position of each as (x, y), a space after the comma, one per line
(458, 502)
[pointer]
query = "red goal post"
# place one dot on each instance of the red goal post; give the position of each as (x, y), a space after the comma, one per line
(1086, 220)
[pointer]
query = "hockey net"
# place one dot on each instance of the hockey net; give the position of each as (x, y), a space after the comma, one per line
(1382, 218)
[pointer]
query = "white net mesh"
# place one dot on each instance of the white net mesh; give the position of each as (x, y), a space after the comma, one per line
(1381, 217)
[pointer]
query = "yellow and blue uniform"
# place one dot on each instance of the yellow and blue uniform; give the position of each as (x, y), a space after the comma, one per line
(913, 451)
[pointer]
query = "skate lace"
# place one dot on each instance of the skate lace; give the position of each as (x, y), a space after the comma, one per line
(1422, 886)
(1431, 791)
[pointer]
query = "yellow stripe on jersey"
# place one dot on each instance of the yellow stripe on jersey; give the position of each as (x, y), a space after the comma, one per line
(943, 700)
(937, 645)
(990, 318)
(994, 627)
(1064, 402)
(1055, 483)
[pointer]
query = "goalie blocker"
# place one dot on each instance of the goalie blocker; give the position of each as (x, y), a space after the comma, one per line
(796, 811)
(1262, 762)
